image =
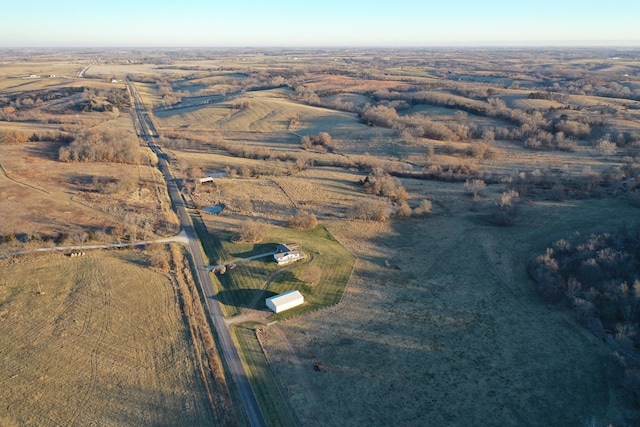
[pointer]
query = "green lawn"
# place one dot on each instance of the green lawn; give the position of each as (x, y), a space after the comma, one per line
(264, 386)
(250, 282)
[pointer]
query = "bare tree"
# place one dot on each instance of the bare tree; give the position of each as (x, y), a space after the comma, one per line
(250, 232)
(303, 220)
(423, 209)
(506, 208)
(605, 146)
(474, 187)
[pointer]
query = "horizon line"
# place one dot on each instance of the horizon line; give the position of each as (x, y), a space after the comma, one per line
(532, 44)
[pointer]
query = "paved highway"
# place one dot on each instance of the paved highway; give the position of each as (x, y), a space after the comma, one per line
(229, 351)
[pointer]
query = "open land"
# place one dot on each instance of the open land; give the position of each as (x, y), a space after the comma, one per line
(436, 177)
(98, 339)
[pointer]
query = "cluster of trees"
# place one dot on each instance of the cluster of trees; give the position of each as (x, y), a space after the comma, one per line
(25, 105)
(102, 146)
(249, 232)
(303, 220)
(530, 126)
(370, 210)
(169, 97)
(416, 125)
(597, 87)
(16, 137)
(107, 100)
(25, 100)
(40, 239)
(598, 276)
(380, 183)
(241, 105)
(322, 140)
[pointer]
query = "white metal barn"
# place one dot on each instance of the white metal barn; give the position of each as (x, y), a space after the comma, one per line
(285, 301)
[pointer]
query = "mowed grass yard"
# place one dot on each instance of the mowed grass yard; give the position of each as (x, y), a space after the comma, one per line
(457, 336)
(95, 340)
(274, 408)
(321, 277)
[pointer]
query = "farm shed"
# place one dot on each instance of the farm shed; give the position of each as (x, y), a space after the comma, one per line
(205, 179)
(285, 301)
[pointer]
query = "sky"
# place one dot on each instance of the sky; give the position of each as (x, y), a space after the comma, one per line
(322, 23)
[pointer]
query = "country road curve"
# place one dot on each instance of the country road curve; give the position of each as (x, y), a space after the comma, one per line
(229, 351)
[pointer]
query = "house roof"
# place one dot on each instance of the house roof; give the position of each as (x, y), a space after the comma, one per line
(284, 255)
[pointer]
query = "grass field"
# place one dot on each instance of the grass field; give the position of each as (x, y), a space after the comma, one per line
(95, 340)
(273, 406)
(250, 282)
(456, 336)
(429, 320)
(268, 112)
(43, 195)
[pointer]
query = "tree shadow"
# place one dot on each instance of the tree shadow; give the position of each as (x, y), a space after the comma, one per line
(258, 248)
(244, 298)
(47, 150)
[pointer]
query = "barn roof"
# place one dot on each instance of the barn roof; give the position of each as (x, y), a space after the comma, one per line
(287, 299)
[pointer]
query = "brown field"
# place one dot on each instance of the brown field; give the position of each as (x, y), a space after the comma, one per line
(439, 323)
(43, 195)
(95, 340)
(456, 336)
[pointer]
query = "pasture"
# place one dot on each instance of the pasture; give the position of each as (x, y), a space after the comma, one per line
(98, 339)
(439, 320)
(455, 336)
(321, 276)
(420, 316)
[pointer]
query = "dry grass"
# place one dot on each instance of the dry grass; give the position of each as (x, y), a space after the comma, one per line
(456, 336)
(95, 340)
(44, 195)
(269, 112)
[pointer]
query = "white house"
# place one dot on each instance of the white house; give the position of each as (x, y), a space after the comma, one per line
(287, 253)
(285, 301)
(205, 179)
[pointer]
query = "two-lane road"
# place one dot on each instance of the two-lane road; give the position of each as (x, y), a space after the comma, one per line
(229, 351)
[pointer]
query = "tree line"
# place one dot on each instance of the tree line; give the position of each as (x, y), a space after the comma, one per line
(598, 276)
(102, 146)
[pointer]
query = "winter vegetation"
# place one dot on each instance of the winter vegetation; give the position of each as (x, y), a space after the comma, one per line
(422, 185)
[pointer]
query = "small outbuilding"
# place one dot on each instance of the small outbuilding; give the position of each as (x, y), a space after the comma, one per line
(285, 301)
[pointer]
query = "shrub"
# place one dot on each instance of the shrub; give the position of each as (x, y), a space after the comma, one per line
(423, 209)
(506, 208)
(371, 210)
(12, 137)
(474, 187)
(250, 232)
(303, 220)
(323, 140)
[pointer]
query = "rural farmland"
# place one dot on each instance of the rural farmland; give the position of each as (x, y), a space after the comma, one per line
(466, 223)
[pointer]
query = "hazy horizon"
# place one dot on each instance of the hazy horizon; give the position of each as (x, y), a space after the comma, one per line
(285, 23)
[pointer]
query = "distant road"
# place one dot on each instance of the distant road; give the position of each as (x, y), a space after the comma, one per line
(229, 351)
(84, 70)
